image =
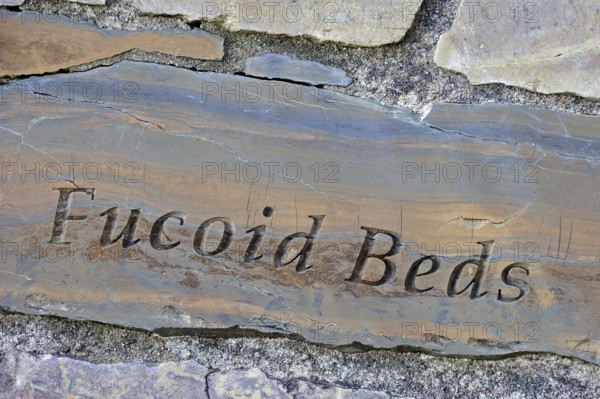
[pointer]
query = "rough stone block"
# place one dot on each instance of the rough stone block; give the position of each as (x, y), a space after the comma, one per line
(547, 47)
(353, 22)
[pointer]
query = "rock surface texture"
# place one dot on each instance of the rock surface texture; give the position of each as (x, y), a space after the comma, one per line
(547, 47)
(26, 376)
(37, 43)
(188, 213)
(353, 22)
(486, 251)
(277, 66)
(301, 368)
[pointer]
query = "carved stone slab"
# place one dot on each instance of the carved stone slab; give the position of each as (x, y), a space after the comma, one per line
(34, 43)
(188, 200)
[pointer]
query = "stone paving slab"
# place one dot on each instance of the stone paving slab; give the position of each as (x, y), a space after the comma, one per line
(337, 220)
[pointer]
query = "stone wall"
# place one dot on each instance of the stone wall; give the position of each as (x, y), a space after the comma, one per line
(409, 55)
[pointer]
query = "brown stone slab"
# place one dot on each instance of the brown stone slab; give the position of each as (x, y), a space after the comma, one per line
(33, 43)
(347, 178)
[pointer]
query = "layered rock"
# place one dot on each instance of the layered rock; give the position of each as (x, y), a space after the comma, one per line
(38, 43)
(277, 66)
(166, 199)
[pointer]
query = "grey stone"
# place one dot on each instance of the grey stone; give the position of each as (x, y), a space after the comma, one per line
(59, 377)
(245, 384)
(91, 2)
(277, 66)
(354, 22)
(401, 374)
(547, 47)
(11, 2)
